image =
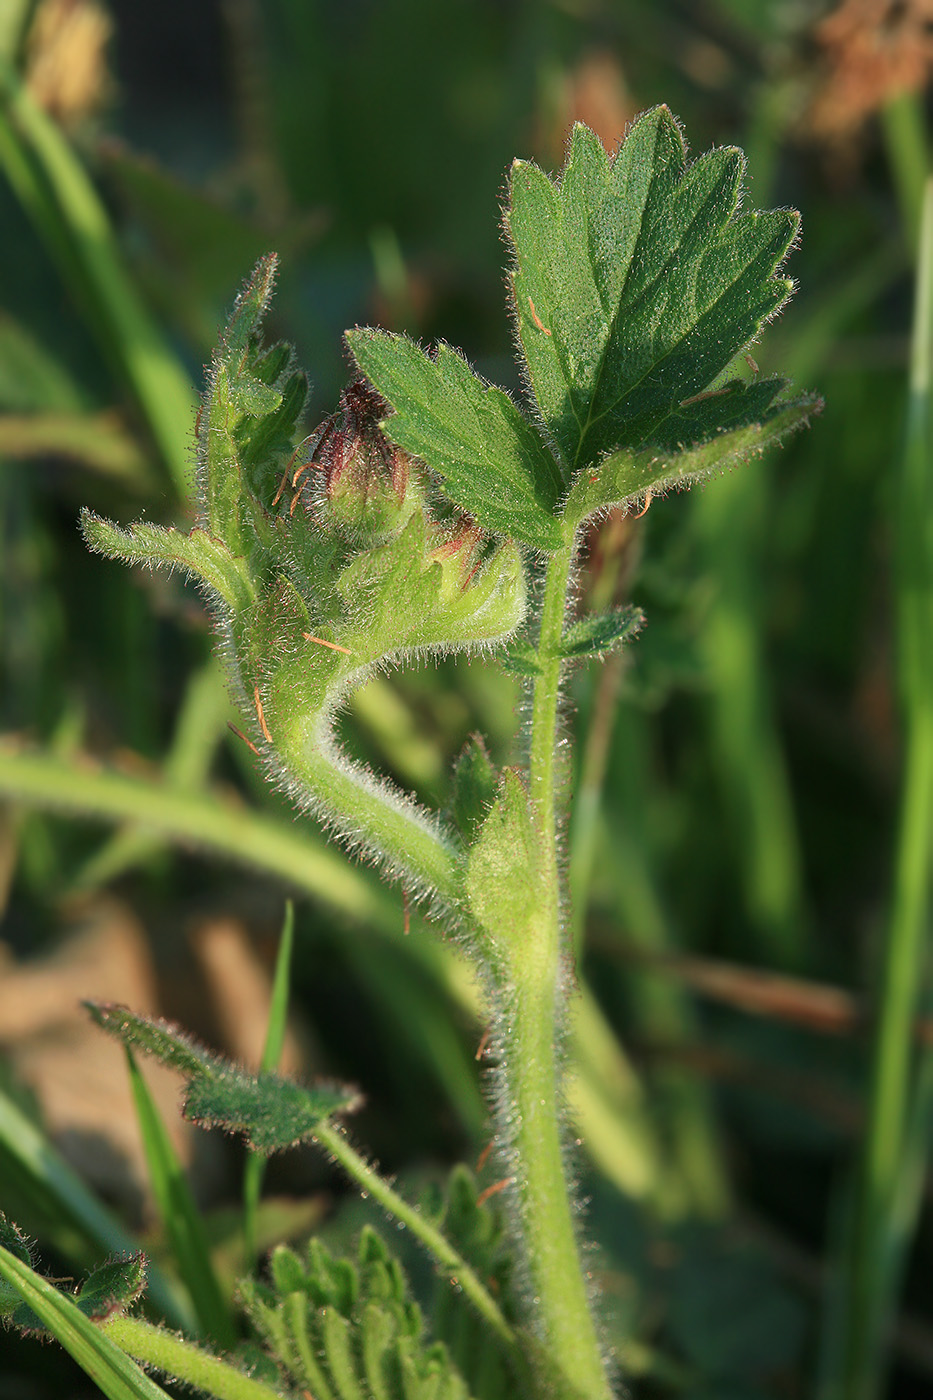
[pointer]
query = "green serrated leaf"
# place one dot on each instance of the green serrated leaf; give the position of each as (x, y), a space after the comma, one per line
(637, 280)
(601, 632)
(493, 463)
(625, 476)
(272, 1113)
(198, 554)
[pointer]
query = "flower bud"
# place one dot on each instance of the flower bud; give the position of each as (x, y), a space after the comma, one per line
(368, 485)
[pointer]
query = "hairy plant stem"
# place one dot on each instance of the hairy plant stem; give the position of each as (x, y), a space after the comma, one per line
(536, 1012)
(181, 1359)
(411, 846)
(334, 1141)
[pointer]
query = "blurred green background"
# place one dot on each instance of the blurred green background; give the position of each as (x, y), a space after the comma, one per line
(734, 856)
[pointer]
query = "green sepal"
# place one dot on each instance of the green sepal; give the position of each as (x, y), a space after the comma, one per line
(506, 878)
(199, 554)
(271, 1113)
(492, 462)
(750, 419)
(475, 781)
(637, 279)
(601, 632)
(406, 594)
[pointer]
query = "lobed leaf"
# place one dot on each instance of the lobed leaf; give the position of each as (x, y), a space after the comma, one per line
(492, 462)
(272, 1113)
(636, 280)
(748, 428)
(349, 1331)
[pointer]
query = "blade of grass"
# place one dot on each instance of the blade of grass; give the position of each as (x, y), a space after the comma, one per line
(98, 441)
(97, 1354)
(198, 730)
(204, 819)
(179, 1215)
(70, 217)
(878, 1231)
(742, 714)
(696, 1178)
(271, 1054)
(903, 122)
(59, 1194)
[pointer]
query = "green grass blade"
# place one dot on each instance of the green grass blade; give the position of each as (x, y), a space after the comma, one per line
(278, 1008)
(70, 217)
(58, 1193)
(118, 1377)
(179, 1215)
(879, 1228)
(904, 126)
(750, 757)
(271, 1054)
(202, 819)
(198, 731)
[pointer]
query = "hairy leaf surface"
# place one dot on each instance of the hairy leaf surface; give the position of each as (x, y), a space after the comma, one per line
(272, 1113)
(637, 279)
(493, 463)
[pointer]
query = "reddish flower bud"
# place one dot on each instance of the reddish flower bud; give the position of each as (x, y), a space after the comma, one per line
(367, 480)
